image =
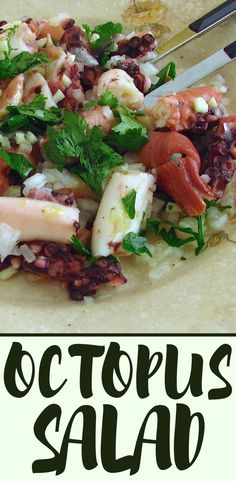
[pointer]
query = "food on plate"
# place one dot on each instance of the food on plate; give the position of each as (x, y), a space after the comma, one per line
(88, 175)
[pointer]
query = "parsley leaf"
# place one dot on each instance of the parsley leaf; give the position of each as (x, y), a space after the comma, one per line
(105, 32)
(17, 162)
(10, 67)
(107, 98)
(170, 235)
(129, 203)
(166, 73)
(213, 203)
(94, 158)
(136, 244)
(80, 247)
(128, 134)
(30, 116)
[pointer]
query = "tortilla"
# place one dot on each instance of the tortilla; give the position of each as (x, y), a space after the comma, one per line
(195, 296)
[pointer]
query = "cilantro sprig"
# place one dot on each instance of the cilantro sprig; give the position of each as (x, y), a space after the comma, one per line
(33, 116)
(11, 67)
(170, 236)
(17, 162)
(94, 159)
(129, 203)
(105, 31)
(135, 244)
(128, 134)
(166, 73)
(107, 98)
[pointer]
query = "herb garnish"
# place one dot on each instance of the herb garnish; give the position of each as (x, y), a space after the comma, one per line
(170, 235)
(135, 244)
(17, 162)
(94, 158)
(166, 73)
(105, 32)
(33, 116)
(10, 68)
(129, 203)
(107, 98)
(128, 134)
(80, 247)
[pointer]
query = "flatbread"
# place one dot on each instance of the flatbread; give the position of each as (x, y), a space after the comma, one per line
(198, 295)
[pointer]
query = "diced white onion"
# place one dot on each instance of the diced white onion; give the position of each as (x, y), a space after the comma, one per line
(70, 57)
(59, 180)
(66, 81)
(49, 41)
(114, 60)
(58, 96)
(200, 105)
(27, 253)
(5, 142)
(20, 137)
(94, 37)
(212, 102)
(147, 57)
(8, 239)
(25, 147)
(31, 137)
(148, 69)
(175, 157)
(216, 219)
(42, 42)
(223, 89)
(206, 178)
(78, 95)
(37, 181)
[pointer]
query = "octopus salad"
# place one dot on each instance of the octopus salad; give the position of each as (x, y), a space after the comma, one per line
(88, 174)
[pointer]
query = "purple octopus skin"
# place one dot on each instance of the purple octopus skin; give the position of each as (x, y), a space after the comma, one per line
(62, 263)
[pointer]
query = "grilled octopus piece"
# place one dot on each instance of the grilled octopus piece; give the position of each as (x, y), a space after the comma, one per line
(82, 277)
(75, 37)
(136, 46)
(218, 151)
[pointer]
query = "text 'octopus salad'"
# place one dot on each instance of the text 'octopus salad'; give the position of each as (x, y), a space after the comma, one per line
(87, 174)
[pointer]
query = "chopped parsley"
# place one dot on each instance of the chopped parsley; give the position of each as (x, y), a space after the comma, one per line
(129, 203)
(166, 73)
(104, 31)
(94, 159)
(169, 234)
(128, 134)
(10, 68)
(107, 98)
(17, 162)
(80, 247)
(33, 115)
(135, 244)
